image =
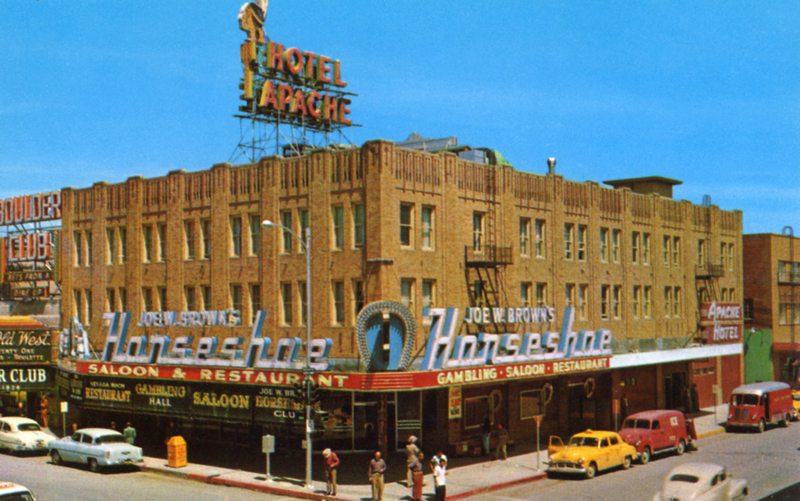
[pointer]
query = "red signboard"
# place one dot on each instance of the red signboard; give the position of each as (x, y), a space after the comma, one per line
(386, 381)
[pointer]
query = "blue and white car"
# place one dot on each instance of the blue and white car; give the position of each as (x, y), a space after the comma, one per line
(96, 447)
(20, 434)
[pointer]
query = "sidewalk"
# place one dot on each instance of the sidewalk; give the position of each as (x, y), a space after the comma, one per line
(462, 481)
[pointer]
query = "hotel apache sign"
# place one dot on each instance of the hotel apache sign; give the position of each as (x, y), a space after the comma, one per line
(288, 84)
(721, 322)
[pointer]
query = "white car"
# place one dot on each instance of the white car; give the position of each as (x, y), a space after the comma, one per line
(20, 434)
(701, 482)
(9, 491)
(97, 447)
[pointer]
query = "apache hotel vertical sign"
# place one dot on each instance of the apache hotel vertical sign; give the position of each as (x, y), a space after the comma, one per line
(27, 258)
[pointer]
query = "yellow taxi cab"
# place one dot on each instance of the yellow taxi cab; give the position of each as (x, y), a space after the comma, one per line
(796, 404)
(589, 452)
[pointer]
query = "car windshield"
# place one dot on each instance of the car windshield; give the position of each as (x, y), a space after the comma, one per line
(796, 397)
(17, 496)
(745, 399)
(683, 477)
(637, 423)
(110, 439)
(28, 427)
(583, 441)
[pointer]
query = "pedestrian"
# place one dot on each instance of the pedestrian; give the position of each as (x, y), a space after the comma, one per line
(439, 479)
(436, 459)
(129, 433)
(113, 426)
(417, 476)
(331, 464)
(43, 407)
(487, 434)
(377, 467)
(411, 454)
(502, 443)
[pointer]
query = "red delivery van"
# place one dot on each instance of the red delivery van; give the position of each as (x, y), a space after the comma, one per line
(652, 432)
(758, 404)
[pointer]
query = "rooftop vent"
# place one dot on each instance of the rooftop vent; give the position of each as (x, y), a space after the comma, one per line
(551, 165)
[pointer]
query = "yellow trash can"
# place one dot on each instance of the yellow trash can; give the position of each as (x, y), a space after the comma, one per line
(176, 452)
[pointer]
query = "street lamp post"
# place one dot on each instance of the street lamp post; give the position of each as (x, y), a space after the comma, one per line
(307, 370)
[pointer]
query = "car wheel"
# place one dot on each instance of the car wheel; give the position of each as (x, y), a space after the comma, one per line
(681, 447)
(645, 456)
(786, 419)
(591, 470)
(626, 463)
(56, 458)
(93, 466)
(761, 426)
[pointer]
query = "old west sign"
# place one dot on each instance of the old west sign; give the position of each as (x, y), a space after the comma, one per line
(24, 344)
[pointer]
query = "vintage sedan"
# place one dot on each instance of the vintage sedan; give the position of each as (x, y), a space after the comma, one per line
(589, 452)
(9, 491)
(20, 434)
(97, 447)
(701, 482)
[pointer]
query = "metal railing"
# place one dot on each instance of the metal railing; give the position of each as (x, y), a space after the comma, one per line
(488, 255)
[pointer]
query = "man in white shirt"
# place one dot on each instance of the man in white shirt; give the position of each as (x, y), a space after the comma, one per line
(439, 473)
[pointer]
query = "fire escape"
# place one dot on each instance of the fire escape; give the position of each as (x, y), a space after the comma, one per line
(485, 261)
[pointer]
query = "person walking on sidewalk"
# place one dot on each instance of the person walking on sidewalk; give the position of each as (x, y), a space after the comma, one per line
(502, 443)
(331, 463)
(417, 476)
(439, 474)
(377, 467)
(129, 433)
(411, 455)
(487, 435)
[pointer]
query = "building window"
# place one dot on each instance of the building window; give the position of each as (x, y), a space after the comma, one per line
(286, 232)
(646, 307)
(428, 223)
(303, 215)
(111, 300)
(255, 301)
(206, 297)
(569, 294)
(541, 294)
(147, 238)
(255, 234)
(605, 299)
(667, 249)
(637, 301)
(303, 291)
(635, 236)
(112, 246)
(407, 293)
(162, 242)
(88, 294)
(723, 295)
(604, 245)
(188, 232)
(539, 236)
(338, 303)
(477, 231)
(78, 239)
(236, 297)
(123, 245)
(77, 310)
(162, 299)
(406, 225)
(123, 299)
(569, 240)
(615, 301)
(646, 249)
(188, 295)
(359, 229)
(236, 236)
(286, 303)
(615, 242)
(89, 250)
(358, 297)
(524, 236)
(701, 252)
(677, 303)
(428, 294)
(733, 295)
(206, 238)
(147, 299)
(525, 289)
(337, 213)
(667, 301)
(581, 250)
(583, 292)
(730, 256)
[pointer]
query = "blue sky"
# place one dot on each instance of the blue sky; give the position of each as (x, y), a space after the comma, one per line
(704, 92)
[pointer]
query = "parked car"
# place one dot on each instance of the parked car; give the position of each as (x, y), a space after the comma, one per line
(97, 447)
(757, 405)
(796, 404)
(20, 434)
(589, 452)
(653, 432)
(9, 491)
(701, 482)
